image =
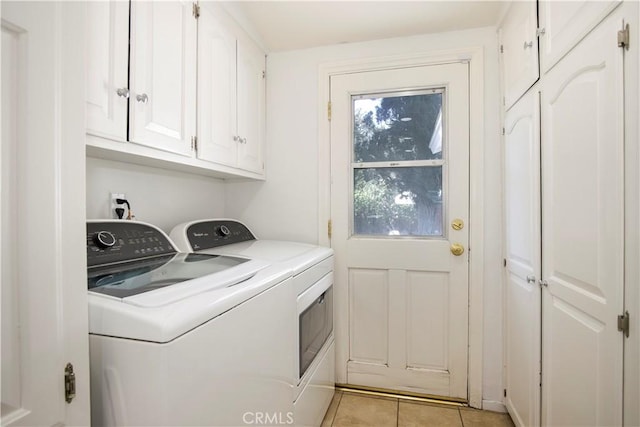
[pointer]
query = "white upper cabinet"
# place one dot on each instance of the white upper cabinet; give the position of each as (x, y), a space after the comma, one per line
(251, 104)
(519, 50)
(216, 90)
(564, 23)
(163, 75)
(174, 85)
(231, 98)
(107, 84)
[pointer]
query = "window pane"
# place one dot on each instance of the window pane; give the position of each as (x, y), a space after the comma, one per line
(396, 128)
(398, 201)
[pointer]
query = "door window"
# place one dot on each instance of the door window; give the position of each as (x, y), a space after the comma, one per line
(399, 164)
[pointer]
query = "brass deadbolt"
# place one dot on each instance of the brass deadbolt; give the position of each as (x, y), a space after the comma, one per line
(457, 224)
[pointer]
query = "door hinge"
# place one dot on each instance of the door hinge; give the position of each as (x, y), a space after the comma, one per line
(329, 228)
(264, 74)
(504, 262)
(329, 110)
(196, 11)
(623, 37)
(69, 383)
(504, 392)
(540, 32)
(194, 143)
(623, 323)
(503, 131)
(501, 49)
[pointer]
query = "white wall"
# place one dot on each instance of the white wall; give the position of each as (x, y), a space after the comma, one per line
(286, 205)
(161, 197)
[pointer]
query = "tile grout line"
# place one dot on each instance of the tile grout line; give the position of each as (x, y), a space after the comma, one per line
(461, 419)
(333, 419)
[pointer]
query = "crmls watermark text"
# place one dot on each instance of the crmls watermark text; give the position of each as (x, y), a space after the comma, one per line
(268, 418)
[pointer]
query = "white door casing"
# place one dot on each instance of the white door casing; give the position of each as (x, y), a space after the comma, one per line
(406, 299)
(43, 213)
(107, 68)
(583, 232)
(163, 75)
(523, 269)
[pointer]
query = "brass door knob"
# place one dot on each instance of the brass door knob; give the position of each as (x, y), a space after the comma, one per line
(457, 249)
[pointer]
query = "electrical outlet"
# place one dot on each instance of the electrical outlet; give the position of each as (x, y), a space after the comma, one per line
(113, 204)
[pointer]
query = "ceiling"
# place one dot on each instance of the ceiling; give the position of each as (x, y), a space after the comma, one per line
(290, 25)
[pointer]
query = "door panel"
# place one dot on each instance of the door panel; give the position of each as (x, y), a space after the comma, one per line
(519, 46)
(163, 75)
(42, 213)
(522, 225)
(405, 294)
(583, 233)
(107, 44)
(251, 102)
(565, 23)
(216, 91)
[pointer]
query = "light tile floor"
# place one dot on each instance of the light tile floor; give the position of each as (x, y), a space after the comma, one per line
(355, 410)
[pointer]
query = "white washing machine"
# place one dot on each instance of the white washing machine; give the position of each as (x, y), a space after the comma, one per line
(313, 368)
(182, 339)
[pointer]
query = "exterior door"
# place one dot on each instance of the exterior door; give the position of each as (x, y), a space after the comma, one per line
(400, 180)
(522, 225)
(44, 285)
(583, 232)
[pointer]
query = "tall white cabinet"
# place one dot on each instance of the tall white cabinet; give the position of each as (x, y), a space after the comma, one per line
(564, 151)
(176, 85)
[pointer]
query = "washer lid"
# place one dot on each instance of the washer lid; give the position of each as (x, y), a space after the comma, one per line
(161, 280)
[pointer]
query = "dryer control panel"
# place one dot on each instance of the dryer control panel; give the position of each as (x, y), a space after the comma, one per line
(211, 234)
(117, 241)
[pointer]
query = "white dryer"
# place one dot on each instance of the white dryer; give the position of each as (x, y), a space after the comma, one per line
(313, 370)
(185, 339)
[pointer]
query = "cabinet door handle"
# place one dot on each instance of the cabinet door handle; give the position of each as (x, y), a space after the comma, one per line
(122, 92)
(531, 279)
(142, 98)
(526, 45)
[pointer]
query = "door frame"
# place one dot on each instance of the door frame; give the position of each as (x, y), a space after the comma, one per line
(474, 56)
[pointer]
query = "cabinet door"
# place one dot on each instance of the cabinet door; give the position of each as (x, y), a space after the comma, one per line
(163, 75)
(565, 23)
(251, 105)
(216, 91)
(583, 232)
(107, 84)
(519, 47)
(522, 225)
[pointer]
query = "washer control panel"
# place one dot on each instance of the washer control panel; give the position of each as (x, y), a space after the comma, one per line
(211, 234)
(116, 241)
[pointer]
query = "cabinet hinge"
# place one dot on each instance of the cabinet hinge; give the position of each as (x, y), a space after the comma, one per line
(501, 49)
(194, 143)
(329, 228)
(329, 110)
(196, 11)
(540, 32)
(504, 392)
(504, 262)
(69, 383)
(623, 37)
(623, 323)
(503, 131)
(264, 74)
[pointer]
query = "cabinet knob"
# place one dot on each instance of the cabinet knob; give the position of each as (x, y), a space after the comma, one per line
(122, 92)
(142, 98)
(531, 279)
(243, 140)
(236, 138)
(526, 45)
